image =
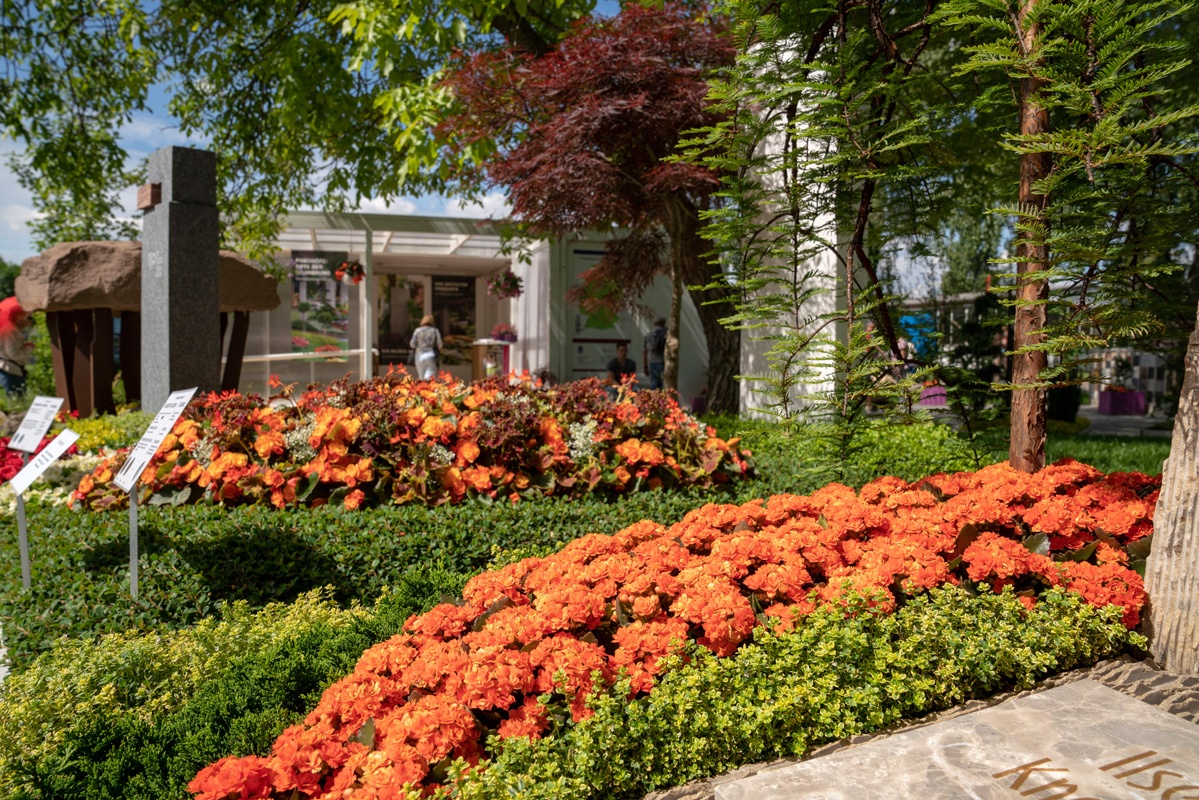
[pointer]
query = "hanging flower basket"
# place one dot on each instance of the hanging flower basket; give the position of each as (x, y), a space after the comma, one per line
(350, 269)
(504, 285)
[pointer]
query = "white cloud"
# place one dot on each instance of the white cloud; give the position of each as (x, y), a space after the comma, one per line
(493, 206)
(146, 133)
(375, 205)
(15, 217)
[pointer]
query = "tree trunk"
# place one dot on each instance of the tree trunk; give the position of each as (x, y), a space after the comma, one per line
(1171, 575)
(688, 249)
(1027, 450)
(670, 370)
(724, 351)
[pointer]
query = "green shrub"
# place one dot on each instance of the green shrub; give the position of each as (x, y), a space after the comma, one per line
(834, 677)
(194, 558)
(138, 716)
(110, 431)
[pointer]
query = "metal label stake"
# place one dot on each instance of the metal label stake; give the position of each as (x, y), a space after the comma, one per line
(23, 533)
(133, 543)
(21, 482)
(139, 457)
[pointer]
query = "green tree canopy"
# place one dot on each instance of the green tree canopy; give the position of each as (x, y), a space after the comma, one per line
(306, 103)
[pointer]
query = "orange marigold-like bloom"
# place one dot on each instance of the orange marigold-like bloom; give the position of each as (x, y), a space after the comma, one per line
(233, 778)
(528, 719)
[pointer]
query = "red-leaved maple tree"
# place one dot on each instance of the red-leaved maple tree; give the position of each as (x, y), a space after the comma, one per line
(582, 134)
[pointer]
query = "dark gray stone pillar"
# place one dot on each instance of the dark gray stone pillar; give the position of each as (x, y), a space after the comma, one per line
(180, 316)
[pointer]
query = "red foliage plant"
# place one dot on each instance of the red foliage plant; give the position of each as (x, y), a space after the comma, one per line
(580, 138)
(532, 641)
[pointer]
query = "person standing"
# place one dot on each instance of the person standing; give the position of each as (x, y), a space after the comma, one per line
(426, 348)
(622, 367)
(15, 347)
(653, 353)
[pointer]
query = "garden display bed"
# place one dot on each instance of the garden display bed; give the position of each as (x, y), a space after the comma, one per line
(539, 648)
(139, 716)
(393, 440)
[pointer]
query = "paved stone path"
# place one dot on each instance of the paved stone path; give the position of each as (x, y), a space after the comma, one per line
(1142, 680)
(1105, 425)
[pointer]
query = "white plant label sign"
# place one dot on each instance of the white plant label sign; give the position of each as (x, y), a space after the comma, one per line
(147, 446)
(30, 472)
(38, 420)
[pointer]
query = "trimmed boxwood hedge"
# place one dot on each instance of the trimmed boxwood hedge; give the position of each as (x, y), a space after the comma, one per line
(194, 558)
(138, 715)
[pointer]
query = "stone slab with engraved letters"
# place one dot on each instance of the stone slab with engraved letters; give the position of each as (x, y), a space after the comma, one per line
(1081, 741)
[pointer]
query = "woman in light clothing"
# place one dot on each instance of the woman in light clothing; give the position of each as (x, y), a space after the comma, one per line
(426, 348)
(15, 348)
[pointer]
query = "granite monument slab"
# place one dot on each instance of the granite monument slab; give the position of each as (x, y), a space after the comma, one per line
(1081, 741)
(180, 299)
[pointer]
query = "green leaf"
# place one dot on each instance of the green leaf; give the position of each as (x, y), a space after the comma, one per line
(1038, 543)
(366, 734)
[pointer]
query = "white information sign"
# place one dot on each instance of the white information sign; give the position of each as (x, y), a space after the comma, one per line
(38, 420)
(30, 472)
(144, 450)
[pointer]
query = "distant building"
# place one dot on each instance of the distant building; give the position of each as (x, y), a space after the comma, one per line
(327, 328)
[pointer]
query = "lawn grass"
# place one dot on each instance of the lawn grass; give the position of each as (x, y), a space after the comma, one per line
(1111, 453)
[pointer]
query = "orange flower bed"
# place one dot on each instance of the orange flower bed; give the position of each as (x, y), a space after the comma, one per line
(395, 440)
(532, 641)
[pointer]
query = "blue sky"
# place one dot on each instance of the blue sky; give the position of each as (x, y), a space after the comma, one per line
(147, 132)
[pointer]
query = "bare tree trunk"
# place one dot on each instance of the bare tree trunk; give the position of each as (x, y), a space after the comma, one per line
(1027, 450)
(670, 370)
(724, 352)
(1171, 575)
(713, 304)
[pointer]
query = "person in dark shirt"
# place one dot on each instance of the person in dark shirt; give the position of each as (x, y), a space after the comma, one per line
(653, 354)
(621, 366)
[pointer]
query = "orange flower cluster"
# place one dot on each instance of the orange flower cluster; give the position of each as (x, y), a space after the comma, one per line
(529, 643)
(395, 440)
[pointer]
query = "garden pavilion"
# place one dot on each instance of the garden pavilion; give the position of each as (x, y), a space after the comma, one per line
(325, 328)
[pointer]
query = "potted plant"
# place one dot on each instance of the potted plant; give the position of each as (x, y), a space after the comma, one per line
(350, 269)
(505, 284)
(504, 332)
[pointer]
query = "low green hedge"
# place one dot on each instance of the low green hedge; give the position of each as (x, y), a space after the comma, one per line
(1112, 453)
(908, 451)
(138, 715)
(194, 558)
(836, 676)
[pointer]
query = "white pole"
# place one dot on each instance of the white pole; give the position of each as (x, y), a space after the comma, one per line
(23, 534)
(366, 332)
(133, 543)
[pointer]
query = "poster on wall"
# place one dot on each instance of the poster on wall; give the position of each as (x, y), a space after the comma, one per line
(454, 315)
(320, 304)
(401, 304)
